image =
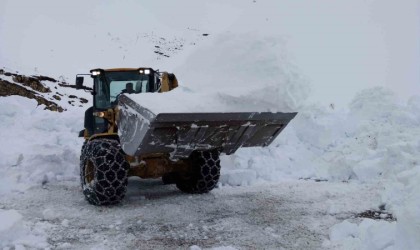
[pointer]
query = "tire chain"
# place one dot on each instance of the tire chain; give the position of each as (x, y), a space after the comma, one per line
(111, 168)
(205, 175)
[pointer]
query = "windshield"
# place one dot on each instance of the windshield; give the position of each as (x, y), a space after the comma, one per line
(111, 84)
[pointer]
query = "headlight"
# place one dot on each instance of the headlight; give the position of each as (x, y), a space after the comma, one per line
(99, 114)
(95, 73)
(144, 71)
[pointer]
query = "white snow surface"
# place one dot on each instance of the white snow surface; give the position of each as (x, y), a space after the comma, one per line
(38, 146)
(14, 231)
(184, 100)
(260, 80)
(368, 153)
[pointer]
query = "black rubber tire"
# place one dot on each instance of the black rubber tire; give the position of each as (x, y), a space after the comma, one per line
(204, 175)
(170, 178)
(103, 172)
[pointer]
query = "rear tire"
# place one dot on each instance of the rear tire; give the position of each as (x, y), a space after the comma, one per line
(103, 172)
(204, 174)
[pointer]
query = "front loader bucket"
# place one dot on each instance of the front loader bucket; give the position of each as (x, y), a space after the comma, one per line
(179, 134)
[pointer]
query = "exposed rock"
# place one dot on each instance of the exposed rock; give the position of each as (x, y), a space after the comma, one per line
(45, 78)
(376, 215)
(31, 82)
(57, 97)
(32, 87)
(8, 89)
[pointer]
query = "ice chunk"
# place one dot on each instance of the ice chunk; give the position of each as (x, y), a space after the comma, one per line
(343, 230)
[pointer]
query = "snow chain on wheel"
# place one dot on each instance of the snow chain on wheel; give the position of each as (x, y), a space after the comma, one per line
(103, 172)
(204, 175)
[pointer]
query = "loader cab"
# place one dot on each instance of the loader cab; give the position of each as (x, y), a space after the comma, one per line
(108, 85)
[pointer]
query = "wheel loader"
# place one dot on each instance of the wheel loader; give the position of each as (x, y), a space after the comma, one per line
(124, 138)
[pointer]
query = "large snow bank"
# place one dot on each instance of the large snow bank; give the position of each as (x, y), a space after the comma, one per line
(37, 146)
(377, 139)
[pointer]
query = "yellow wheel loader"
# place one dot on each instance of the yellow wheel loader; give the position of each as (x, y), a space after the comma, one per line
(124, 138)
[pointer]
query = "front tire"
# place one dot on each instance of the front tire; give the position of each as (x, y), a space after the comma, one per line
(103, 172)
(204, 173)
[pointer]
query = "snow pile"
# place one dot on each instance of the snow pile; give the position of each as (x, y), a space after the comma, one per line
(38, 146)
(403, 198)
(15, 233)
(254, 76)
(369, 234)
(378, 139)
(249, 66)
(184, 100)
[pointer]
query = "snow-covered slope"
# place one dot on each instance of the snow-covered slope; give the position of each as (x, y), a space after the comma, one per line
(252, 53)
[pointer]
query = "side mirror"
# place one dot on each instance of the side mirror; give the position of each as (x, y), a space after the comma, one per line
(79, 82)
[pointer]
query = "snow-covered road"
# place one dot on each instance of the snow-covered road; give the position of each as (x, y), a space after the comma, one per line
(287, 215)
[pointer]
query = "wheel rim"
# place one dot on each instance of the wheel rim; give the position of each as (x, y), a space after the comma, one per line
(89, 173)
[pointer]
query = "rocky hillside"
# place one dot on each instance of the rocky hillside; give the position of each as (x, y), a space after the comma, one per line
(47, 91)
